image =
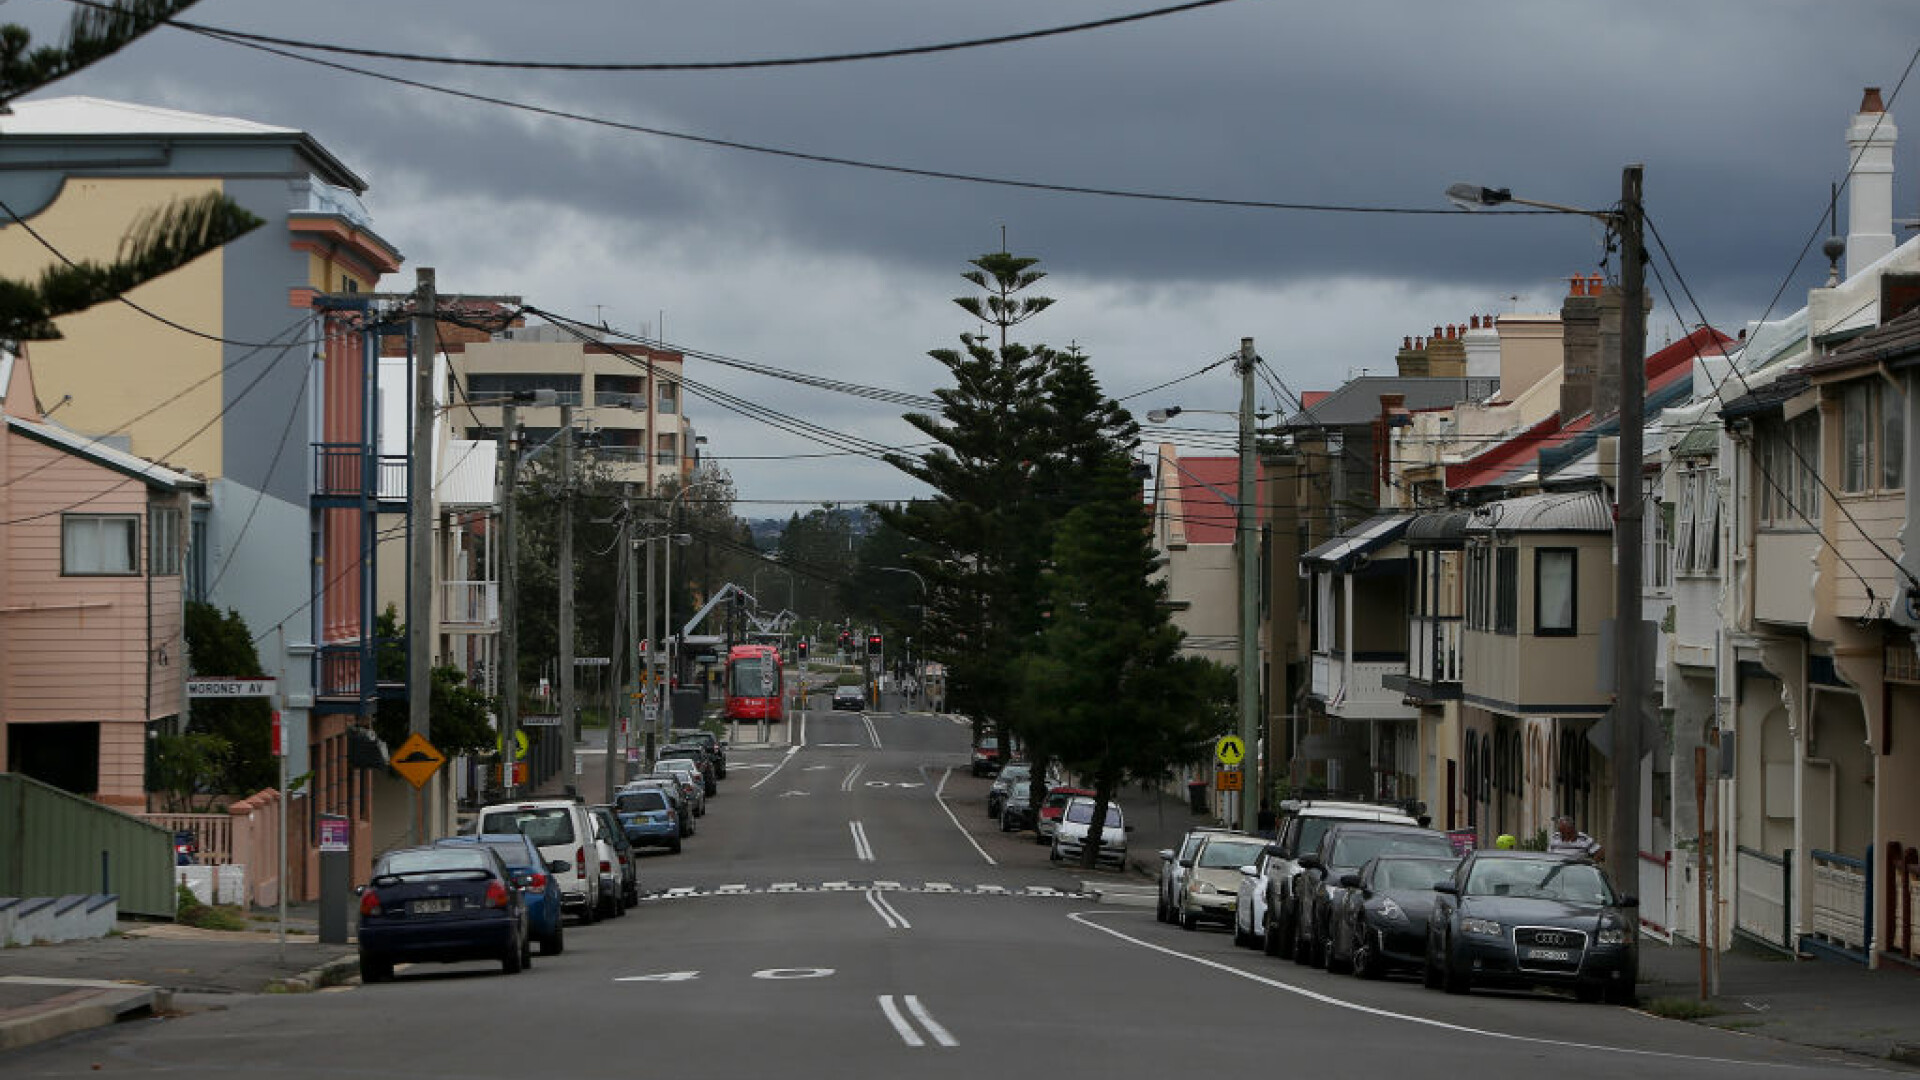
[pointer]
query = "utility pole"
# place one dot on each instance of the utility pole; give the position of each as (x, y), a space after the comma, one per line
(653, 667)
(1629, 673)
(623, 628)
(420, 620)
(509, 597)
(1248, 536)
(566, 592)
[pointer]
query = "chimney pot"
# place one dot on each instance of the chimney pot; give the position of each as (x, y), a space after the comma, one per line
(1870, 102)
(1406, 343)
(1577, 285)
(1473, 322)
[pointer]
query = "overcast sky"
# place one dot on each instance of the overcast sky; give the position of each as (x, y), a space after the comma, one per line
(1737, 108)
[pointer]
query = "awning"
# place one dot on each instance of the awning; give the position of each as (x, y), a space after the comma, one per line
(1362, 539)
(1441, 529)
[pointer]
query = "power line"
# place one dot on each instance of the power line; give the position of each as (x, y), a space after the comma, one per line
(685, 65)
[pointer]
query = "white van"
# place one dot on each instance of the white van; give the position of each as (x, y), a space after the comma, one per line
(562, 831)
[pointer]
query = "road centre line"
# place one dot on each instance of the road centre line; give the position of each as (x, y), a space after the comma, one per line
(791, 750)
(906, 1030)
(887, 912)
(940, 800)
(860, 846)
(852, 775)
(872, 733)
(1082, 917)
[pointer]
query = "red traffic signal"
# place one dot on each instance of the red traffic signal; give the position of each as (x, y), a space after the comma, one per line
(873, 645)
(802, 648)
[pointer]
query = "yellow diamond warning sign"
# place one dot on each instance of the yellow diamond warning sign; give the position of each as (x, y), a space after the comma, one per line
(417, 760)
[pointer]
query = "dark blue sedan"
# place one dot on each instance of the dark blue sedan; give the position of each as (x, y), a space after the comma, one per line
(1380, 924)
(649, 818)
(535, 879)
(443, 904)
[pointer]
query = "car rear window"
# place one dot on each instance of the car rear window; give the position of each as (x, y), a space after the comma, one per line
(635, 802)
(431, 862)
(545, 826)
(1356, 849)
(1226, 854)
(1082, 813)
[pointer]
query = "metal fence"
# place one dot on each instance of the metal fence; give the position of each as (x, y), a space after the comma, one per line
(53, 843)
(1840, 899)
(1763, 900)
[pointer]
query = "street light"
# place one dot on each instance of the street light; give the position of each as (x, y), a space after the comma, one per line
(1245, 540)
(1627, 221)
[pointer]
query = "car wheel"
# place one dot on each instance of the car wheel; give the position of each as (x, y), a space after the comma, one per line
(1189, 920)
(1275, 942)
(1329, 955)
(526, 951)
(511, 963)
(1453, 982)
(1302, 945)
(1587, 993)
(675, 846)
(689, 829)
(1366, 962)
(1053, 854)
(1430, 973)
(555, 943)
(1619, 994)
(1160, 913)
(374, 969)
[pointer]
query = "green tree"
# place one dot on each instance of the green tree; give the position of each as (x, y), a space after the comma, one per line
(1118, 700)
(222, 645)
(164, 239)
(187, 770)
(458, 716)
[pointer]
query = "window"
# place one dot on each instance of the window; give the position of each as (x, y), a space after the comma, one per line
(1788, 460)
(1873, 441)
(1696, 531)
(495, 386)
(197, 580)
(1554, 605)
(1657, 558)
(1506, 590)
(163, 528)
(100, 544)
(1479, 586)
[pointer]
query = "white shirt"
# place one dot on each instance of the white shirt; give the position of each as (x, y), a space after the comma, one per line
(1581, 846)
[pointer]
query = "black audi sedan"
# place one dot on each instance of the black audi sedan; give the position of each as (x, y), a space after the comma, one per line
(1529, 919)
(1380, 923)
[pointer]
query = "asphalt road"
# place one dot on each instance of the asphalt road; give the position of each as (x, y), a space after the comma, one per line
(848, 910)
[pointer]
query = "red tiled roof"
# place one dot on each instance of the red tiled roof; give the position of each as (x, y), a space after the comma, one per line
(1496, 462)
(1207, 517)
(1314, 397)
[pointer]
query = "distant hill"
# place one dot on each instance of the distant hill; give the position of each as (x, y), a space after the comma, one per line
(767, 532)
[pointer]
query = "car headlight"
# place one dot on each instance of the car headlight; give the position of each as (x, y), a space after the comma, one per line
(1204, 887)
(1391, 911)
(1614, 935)
(1483, 927)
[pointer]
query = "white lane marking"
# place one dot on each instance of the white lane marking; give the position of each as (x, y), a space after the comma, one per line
(665, 976)
(860, 846)
(852, 775)
(919, 1011)
(1082, 917)
(888, 914)
(837, 745)
(803, 728)
(940, 800)
(793, 973)
(899, 1022)
(871, 732)
(791, 750)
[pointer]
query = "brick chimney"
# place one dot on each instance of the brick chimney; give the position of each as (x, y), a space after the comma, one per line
(1870, 138)
(1580, 348)
(1411, 360)
(1446, 353)
(1482, 346)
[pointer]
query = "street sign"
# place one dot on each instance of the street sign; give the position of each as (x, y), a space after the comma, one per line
(1230, 750)
(592, 661)
(1228, 780)
(519, 743)
(650, 712)
(417, 760)
(232, 688)
(545, 720)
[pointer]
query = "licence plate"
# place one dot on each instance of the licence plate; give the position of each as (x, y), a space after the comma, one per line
(430, 907)
(1556, 955)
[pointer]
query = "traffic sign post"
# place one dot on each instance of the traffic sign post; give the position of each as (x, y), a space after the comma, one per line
(1230, 750)
(417, 759)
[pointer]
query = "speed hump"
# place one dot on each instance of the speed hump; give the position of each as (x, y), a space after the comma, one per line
(1230, 750)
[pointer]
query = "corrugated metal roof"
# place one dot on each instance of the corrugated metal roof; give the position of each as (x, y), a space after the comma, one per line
(467, 473)
(1370, 535)
(118, 460)
(80, 115)
(1766, 399)
(1577, 511)
(1440, 528)
(1699, 440)
(1897, 340)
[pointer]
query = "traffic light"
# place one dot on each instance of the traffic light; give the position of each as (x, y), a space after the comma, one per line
(873, 645)
(846, 641)
(802, 648)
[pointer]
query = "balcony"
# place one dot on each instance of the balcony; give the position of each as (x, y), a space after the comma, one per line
(346, 474)
(1433, 660)
(1355, 688)
(470, 606)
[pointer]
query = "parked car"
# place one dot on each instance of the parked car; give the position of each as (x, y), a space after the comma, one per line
(1250, 903)
(987, 756)
(535, 880)
(1076, 830)
(442, 904)
(690, 785)
(649, 818)
(1211, 887)
(1301, 825)
(1015, 773)
(676, 794)
(1318, 885)
(562, 831)
(1380, 924)
(715, 745)
(694, 752)
(1526, 918)
(1055, 804)
(849, 696)
(1172, 870)
(613, 835)
(1017, 811)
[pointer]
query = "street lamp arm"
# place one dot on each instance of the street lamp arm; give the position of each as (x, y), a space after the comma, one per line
(904, 570)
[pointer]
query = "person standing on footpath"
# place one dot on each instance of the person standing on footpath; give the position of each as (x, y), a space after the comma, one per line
(1567, 840)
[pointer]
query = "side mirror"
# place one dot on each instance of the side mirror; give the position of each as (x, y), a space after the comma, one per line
(1276, 851)
(1249, 871)
(1447, 887)
(359, 889)
(1628, 900)
(1349, 881)
(1310, 862)
(1166, 854)
(559, 866)
(1186, 864)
